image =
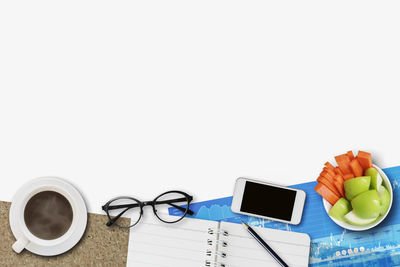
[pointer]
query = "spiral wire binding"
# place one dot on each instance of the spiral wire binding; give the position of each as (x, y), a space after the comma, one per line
(222, 254)
(222, 243)
(214, 264)
(211, 231)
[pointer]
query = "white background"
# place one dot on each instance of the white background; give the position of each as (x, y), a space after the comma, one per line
(137, 97)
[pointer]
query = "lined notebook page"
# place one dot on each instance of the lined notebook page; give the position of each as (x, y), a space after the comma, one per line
(157, 244)
(243, 250)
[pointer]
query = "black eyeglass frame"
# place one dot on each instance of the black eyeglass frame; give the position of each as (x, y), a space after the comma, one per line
(152, 203)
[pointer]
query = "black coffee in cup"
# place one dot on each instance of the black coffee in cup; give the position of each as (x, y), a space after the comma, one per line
(48, 215)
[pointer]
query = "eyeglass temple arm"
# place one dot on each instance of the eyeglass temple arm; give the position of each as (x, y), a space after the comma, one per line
(113, 220)
(115, 207)
(189, 211)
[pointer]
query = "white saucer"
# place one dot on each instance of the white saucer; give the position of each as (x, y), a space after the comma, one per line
(74, 233)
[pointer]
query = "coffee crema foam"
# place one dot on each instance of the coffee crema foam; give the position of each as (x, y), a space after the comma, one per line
(48, 215)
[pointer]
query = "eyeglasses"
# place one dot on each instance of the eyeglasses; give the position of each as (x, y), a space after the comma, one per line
(133, 208)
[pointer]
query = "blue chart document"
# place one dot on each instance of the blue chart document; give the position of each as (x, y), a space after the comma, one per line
(331, 245)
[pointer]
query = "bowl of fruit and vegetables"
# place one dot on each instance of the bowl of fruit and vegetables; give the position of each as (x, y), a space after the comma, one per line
(357, 195)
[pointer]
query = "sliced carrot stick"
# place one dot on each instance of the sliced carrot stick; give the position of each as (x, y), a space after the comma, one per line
(365, 160)
(327, 175)
(338, 171)
(330, 172)
(339, 187)
(339, 178)
(348, 176)
(356, 168)
(329, 166)
(326, 193)
(344, 166)
(329, 184)
(343, 162)
(342, 157)
(350, 154)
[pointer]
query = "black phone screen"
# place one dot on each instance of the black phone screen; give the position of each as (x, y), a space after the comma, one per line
(269, 201)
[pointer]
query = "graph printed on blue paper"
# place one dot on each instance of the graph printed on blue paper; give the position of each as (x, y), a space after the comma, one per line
(331, 245)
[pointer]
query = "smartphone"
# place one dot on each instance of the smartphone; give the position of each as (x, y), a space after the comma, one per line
(269, 201)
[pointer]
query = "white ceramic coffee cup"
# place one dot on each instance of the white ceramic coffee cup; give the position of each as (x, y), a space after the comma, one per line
(25, 239)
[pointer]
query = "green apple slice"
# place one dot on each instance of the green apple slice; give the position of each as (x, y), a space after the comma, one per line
(356, 186)
(367, 205)
(341, 208)
(353, 219)
(384, 197)
(376, 178)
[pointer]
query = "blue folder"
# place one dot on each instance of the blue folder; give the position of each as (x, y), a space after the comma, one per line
(331, 245)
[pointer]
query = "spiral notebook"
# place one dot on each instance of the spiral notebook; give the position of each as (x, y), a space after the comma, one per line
(193, 242)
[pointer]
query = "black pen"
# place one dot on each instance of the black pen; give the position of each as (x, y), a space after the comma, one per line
(265, 245)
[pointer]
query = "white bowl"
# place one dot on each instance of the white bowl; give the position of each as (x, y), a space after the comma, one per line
(386, 183)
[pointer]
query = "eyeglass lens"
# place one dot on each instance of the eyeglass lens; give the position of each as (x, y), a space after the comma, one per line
(168, 200)
(124, 207)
